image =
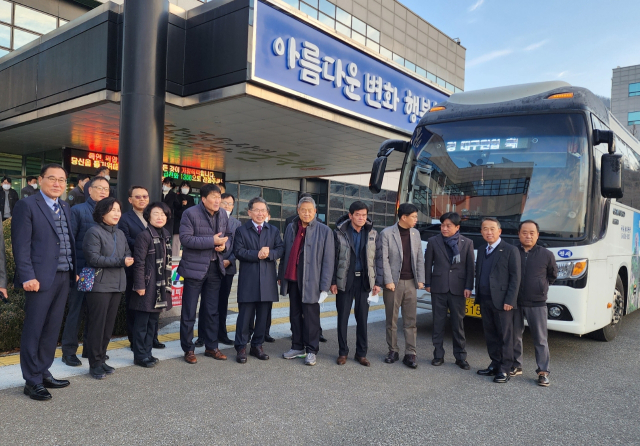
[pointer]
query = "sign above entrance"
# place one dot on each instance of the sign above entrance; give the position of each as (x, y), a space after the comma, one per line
(298, 57)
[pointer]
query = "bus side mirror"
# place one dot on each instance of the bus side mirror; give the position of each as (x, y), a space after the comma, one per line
(606, 137)
(377, 174)
(611, 167)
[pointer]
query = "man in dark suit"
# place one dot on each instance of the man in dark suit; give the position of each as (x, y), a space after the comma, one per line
(102, 171)
(497, 285)
(170, 198)
(44, 252)
(449, 264)
(257, 245)
(30, 188)
(133, 223)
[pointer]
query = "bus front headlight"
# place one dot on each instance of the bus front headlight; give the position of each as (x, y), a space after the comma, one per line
(572, 269)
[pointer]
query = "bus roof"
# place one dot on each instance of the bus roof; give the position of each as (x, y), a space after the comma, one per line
(516, 99)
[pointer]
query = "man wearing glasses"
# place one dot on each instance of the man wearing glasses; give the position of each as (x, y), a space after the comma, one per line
(133, 223)
(81, 221)
(44, 252)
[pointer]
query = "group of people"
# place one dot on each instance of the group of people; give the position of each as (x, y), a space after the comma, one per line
(100, 253)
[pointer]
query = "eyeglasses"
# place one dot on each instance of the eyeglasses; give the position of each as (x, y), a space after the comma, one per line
(141, 197)
(259, 211)
(56, 180)
(100, 188)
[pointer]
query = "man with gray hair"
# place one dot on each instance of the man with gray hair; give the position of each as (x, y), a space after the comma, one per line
(257, 245)
(306, 283)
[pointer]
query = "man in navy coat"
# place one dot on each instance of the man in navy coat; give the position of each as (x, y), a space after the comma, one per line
(44, 252)
(257, 245)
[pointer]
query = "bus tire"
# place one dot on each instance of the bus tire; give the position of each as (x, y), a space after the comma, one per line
(609, 333)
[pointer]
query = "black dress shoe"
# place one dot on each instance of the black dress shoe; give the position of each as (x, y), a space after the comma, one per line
(224, 340)
(157, 344)
(392, 357)
(52, 383)
(489, 371)
(154, 359)
(463, 364)
(258, 353)
(200, 342)
(37, 392)
(146, 362)
(437, 361)
(269, 338)
(97, 372)
(410, 361)
(241, 356)
(323, 339)
(71, 361)
(108, 369)
(106, 357)
(501, 378)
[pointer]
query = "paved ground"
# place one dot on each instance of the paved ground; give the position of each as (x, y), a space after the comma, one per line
(594, 399)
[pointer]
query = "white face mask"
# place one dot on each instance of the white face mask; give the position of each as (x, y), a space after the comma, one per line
(6, 186)
(166, 188)
(185, 190)
(34, 185)
(228, 213)
(107, 177)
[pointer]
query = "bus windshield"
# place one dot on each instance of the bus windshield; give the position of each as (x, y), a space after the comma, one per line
(513, 168)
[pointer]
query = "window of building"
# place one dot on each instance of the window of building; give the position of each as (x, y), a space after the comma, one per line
(20, 25)
(34, 20)
(5, 11)
(634, 89)
(633, 118)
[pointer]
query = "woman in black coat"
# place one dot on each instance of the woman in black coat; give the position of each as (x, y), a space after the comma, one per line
(151, 281)
(106, 249)
(183, 202)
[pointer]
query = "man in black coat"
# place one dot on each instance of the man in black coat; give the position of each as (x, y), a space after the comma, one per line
(183, 202)
(539, 270)
(170, 198)
(449, 264)
(45, 257)
(76, 196)
(257, 245)
(8, 198)
(497, 284)
(133, 223)
(31, 187)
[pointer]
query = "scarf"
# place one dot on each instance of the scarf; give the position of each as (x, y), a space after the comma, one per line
(162, 250)
(291, 271)
(452, 242)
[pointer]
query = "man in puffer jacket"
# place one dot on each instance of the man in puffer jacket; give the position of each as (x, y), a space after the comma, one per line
(354, 277)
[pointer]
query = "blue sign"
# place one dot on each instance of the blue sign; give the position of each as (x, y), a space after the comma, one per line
(294, 55)
(565, 253)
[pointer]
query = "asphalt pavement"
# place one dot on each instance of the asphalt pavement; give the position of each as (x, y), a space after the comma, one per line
(594, 398)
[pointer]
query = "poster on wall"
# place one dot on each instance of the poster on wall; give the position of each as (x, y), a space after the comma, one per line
(177, 285)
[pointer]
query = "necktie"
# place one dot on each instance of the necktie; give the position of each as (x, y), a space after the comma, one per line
(259, 229)
(489, 249)
(56, 209)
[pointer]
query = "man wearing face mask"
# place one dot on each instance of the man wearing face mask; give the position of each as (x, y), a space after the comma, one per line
(170, 198)
(30, 188)
(76, 196)
(184, 202)
(8, 198)
(102, 171)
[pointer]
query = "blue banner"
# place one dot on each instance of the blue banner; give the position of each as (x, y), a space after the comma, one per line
(292, 54)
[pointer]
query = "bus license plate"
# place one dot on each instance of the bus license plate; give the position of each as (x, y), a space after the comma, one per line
(472, 308)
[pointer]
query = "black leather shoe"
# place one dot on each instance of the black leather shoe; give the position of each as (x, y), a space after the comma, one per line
(437, 361)
(97, 372)
(200, 342)
(323, 339)
(157, 344)
(154, 359)
(241, 356)
(489, 371)
(392, 357)
(52, 383)
(108, 369)
(269, 338)
(258, 353)
(224, 340)
(515, 371)
(501, 378)
(463, 364)
(410, 361)
(37, 392)
(71, 361)
(146, 362)
(543, 379)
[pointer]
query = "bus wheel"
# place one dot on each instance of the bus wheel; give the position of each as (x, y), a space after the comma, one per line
(609, 332)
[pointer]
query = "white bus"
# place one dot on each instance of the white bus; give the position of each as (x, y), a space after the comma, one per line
(548, 152)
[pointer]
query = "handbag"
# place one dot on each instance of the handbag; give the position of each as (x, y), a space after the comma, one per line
(87, 276)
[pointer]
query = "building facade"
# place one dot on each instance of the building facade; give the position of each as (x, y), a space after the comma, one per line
(625, 97)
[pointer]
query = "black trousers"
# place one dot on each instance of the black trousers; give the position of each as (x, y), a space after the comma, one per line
(208, 289)
(145, 326)
(77, 309)
(246, 314)
(102, 310)
(344, 301)
(268, 321)
(440, 303)
(305, 334)
(43, 313)
(223, 304)
(498, 334)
